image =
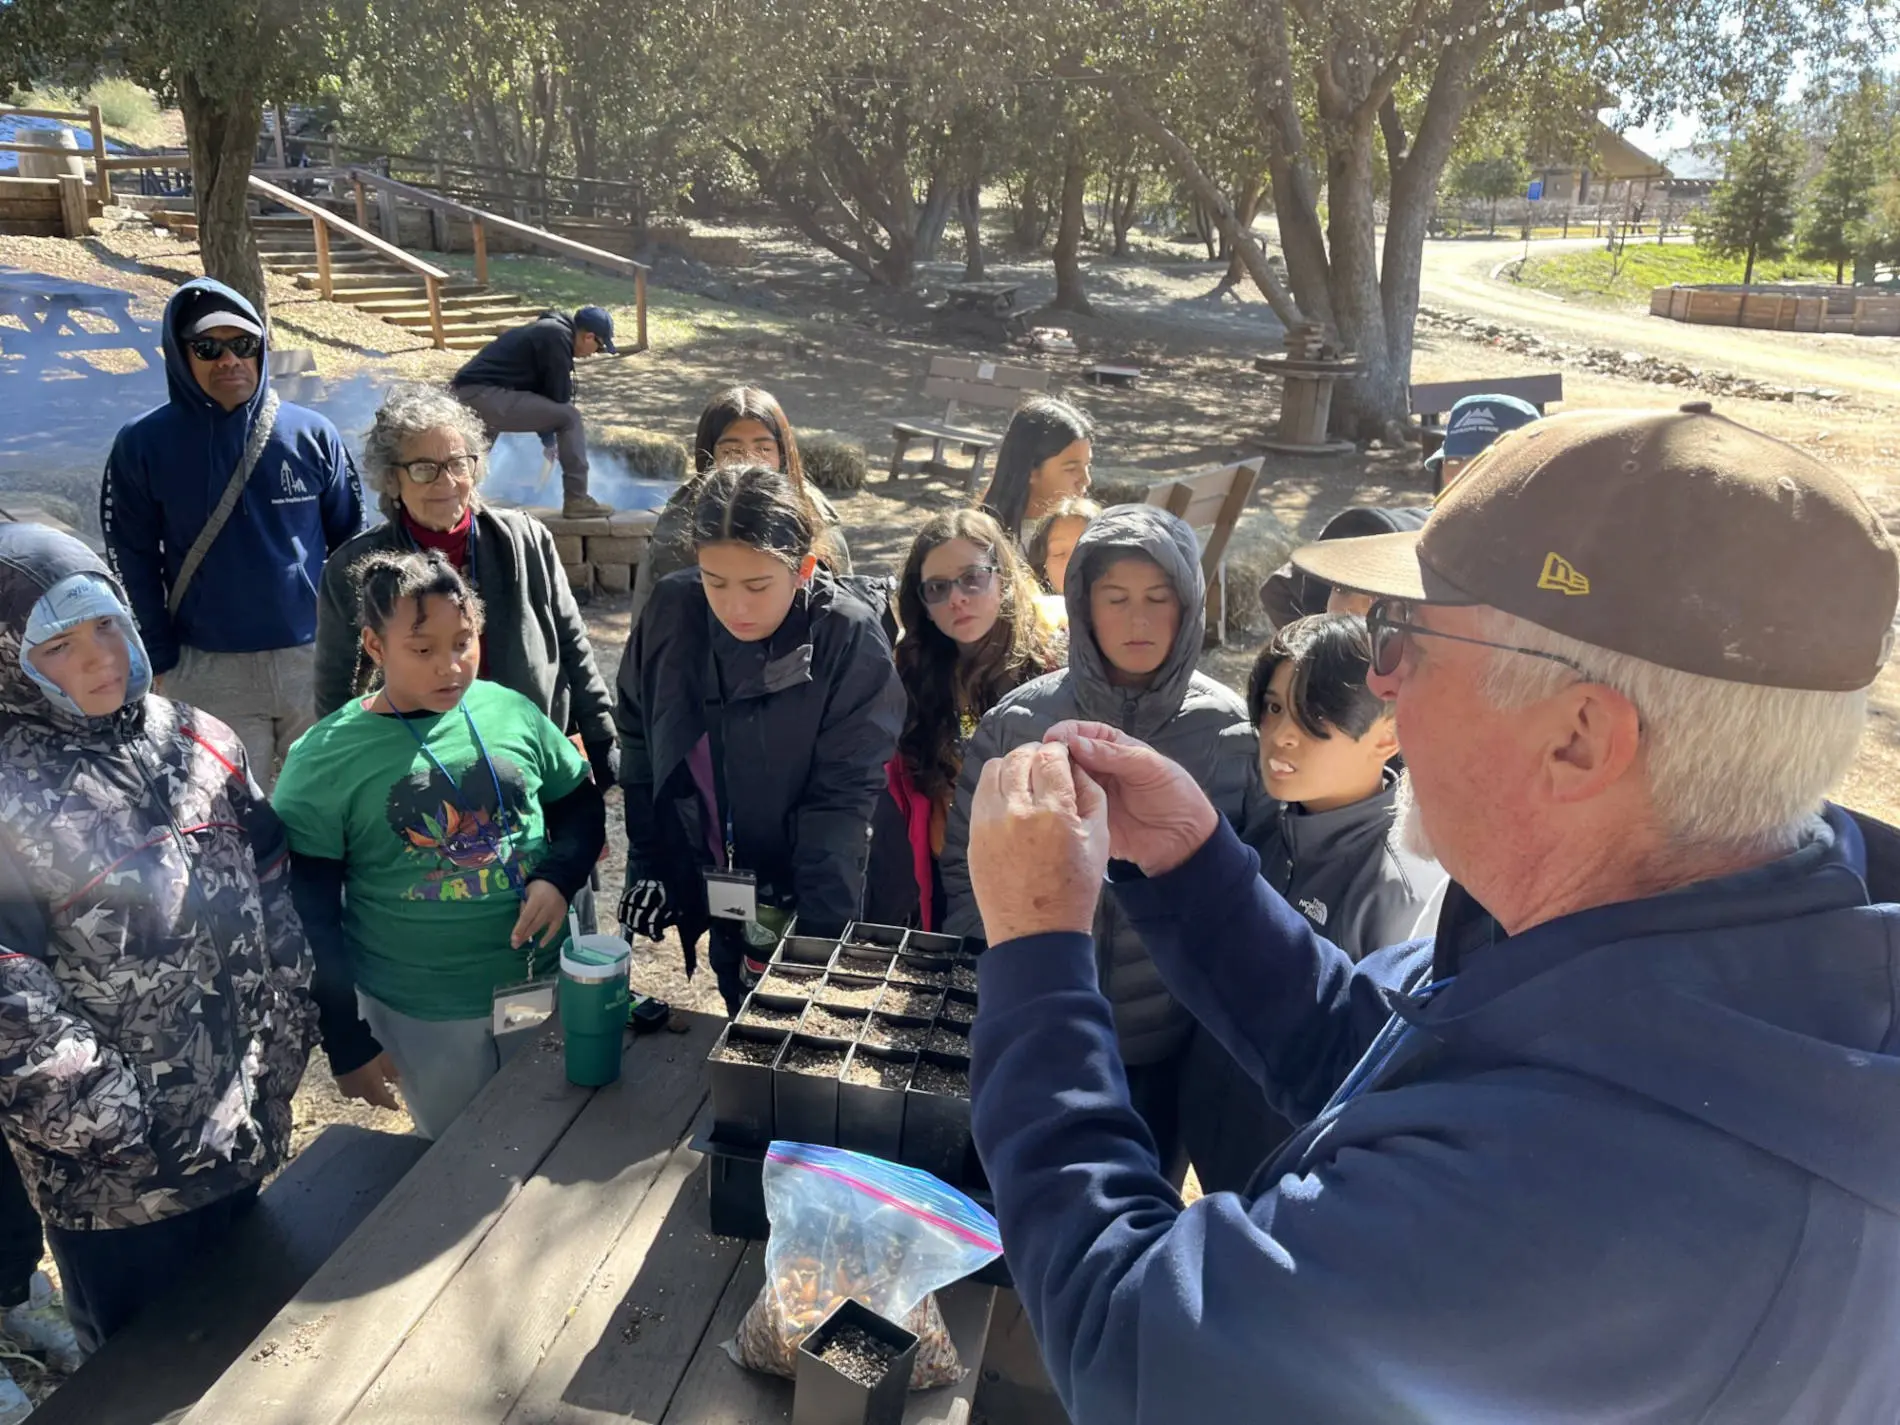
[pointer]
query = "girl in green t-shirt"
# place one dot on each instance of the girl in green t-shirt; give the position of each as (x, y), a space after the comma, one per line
(439, 827)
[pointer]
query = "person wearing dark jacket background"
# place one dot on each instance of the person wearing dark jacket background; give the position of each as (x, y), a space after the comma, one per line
(155, 1014)
(523, 380)
(219, 508)
(758, 706)
(1622, 1143)
(1135, 597)
(1288, 594)
(1330, 847)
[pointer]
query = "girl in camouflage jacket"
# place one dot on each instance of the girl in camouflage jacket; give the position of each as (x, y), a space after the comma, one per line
(154, 1006)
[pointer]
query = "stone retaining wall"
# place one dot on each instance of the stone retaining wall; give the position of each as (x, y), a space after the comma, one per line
(600, 554)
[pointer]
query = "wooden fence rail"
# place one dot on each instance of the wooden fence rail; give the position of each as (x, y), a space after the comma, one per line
(102, 174)
(323, 221)
(481, 221)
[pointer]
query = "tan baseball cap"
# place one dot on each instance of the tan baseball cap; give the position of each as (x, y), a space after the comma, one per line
(1678, 537)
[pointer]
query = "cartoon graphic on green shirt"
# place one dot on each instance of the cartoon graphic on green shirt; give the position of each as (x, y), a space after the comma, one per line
(437, 841)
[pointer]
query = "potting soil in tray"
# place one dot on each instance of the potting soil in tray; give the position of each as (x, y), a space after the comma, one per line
(924, 975)
(963, 977)
(778, 981)
(883, 1034)
(935, 1078)
(830, 1023)
(957, 1011)
(748, 1051)
(858, 1355)
(903, 999)
(819, 1060)
(864, 959)
(849, 994)
(878, 1073)
(769, 1016)
(947, 1041)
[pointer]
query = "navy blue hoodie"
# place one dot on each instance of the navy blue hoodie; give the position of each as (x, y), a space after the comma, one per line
(1640, 1164)
(257, 587)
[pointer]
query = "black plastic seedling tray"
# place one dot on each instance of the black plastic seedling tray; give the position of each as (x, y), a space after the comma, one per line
(763, 1011)
(884, 937)
(937, 1126)
(806, 1104)
(808, 950)
(871, 1117)
(742, 1092)
(824, 1395)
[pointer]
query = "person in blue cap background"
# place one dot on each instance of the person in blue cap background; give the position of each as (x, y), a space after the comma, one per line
(1472, 425)
(523, 380)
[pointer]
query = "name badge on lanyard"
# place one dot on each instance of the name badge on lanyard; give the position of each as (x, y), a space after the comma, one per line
(732, 895)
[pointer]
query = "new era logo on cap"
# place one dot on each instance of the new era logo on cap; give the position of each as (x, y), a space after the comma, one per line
(1688, 541)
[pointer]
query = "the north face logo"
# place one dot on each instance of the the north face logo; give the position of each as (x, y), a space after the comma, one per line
(1314, 911)
(292, 482)
(1560, 576)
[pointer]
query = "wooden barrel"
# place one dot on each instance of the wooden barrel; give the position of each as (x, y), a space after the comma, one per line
(61, 158)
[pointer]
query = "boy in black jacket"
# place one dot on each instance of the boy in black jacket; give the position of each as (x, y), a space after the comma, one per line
(1332, 849)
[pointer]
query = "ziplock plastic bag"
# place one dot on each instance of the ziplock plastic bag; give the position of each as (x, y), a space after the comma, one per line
(850, 1225)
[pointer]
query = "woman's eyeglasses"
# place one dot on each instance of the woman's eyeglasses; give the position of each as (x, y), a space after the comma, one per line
(426, 472)
(210, 348)
(974, 581)
(1388, 629)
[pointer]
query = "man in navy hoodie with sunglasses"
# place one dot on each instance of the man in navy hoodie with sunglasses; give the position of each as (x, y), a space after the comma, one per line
(1622, 1142)
(219, 510)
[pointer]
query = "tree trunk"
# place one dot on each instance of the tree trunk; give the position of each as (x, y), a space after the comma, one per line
(970, 211)
(222, 135)
(934, 217)
(1029, 224)
(1748, 270)
(1363, 408)
(1075, 176)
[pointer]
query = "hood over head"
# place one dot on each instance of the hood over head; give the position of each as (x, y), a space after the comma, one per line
(188, 304)
(48, 582)
(1167, 540)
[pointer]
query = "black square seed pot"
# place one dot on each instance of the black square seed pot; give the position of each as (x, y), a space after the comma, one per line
(736, 1188)
(742, 1092)
(870, 1117)
(922, 942)
(925, 971)
(959, 1007)
(937, 1126)
(805, 1106)
(811, 1027)
(809, 950)
(906, 1032)
(872, 964)
(884, 937)
(790, 981)
(846, 991)
(823, 1395)
(765, 1011)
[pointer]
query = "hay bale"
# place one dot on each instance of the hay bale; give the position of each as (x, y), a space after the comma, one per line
(1122, 485)
(834, 463)
(649, 454)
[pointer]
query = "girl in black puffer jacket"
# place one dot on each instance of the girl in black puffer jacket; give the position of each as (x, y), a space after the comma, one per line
(757, 707)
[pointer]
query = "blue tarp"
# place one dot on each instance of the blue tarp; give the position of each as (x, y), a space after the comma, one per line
(13, 125)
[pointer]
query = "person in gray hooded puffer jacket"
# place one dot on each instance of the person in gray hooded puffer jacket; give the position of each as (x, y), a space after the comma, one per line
(1183, 714)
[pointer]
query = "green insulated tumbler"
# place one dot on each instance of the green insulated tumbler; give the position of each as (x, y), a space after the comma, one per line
(594, 1006)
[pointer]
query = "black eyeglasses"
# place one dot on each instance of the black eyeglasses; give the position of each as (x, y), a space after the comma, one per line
(210, 348)
(1389, 628)
(973, 581)
(427, 472)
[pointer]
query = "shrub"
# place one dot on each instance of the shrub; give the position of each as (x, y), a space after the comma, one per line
(652, 455)
(122, 104)
(834, 463)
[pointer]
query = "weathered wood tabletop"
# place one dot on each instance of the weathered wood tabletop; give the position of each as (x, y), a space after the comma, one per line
(548, 1262)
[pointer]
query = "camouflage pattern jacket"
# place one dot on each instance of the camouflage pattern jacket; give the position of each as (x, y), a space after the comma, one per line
(154, 1009)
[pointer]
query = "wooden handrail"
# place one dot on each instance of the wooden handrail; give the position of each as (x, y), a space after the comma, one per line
(64, 115)
(323, 221)
(481, 221)
(169, 159)
(101, 173)
(567, 247)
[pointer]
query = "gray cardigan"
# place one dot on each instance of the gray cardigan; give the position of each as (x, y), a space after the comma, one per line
(537, 640)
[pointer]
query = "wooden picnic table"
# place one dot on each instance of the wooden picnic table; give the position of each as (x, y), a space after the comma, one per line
(50, 335)
(547, 1262)
(996, 298)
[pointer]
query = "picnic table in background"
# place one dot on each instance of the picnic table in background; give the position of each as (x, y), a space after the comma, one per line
(548, 1261)
(996, 298)
(51, 334)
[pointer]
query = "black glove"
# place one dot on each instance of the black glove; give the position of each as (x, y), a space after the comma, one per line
(643, 910)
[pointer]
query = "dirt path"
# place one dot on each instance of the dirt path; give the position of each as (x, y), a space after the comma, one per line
(1457, 276)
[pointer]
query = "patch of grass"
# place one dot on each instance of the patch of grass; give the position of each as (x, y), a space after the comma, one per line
(123, 105)
(834, 463)
(1587, 276)
(673, 318)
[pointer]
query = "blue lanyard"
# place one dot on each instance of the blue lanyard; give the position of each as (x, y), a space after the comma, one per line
(487, 837)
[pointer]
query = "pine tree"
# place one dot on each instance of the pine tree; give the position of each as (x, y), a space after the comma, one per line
(1835, 221)
(1751, 213)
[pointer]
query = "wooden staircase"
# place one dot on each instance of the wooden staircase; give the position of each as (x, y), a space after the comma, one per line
(473, 313)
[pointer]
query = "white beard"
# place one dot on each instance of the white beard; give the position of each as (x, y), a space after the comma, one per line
(1412, 834)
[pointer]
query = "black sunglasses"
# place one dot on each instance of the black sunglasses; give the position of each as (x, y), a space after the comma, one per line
(1388, 629)
(210, 348)
(973, 581)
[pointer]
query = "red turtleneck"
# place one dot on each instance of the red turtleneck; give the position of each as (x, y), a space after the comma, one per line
(452, 545)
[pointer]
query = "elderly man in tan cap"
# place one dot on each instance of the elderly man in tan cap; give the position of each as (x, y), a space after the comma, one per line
(1622, 1142)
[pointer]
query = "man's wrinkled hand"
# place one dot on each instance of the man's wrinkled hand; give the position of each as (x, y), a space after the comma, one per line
(1038, 844)
(1158, 816)
(373, 1083)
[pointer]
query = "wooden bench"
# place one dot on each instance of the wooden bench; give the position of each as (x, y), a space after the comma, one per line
(957, 382)
(549, 1262)
(1210, 501)
(154, 1371)
(1432, 400)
